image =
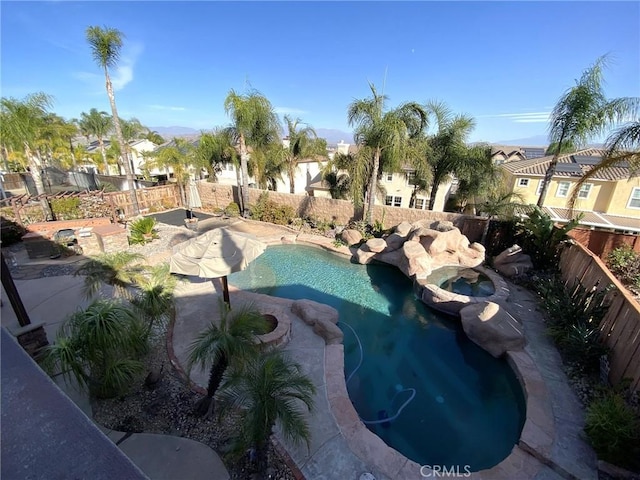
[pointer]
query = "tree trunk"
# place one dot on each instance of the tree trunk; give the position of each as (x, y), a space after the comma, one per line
(103, 152)
(204, 406)
(292, 175)
(73, 155)
(551, 171)
(262, 451)
(372, 185)
(34, 166)
(432, 195)
(123, 147)
(245, 177)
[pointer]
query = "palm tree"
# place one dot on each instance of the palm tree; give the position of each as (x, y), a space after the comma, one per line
(154, 137)
(177, 156)
(23, 122)
(98, 124)
(255, 125)
(105, 46)
(233, 340)
(214, 150)
(478, 176)
(357, 168)
(582, 113)
(267, 391)
(339, 184)
(100, 348)
(155, 297)
(447, 152)
(300, 145)
(121, 270)
(385, 133)
(622, 145)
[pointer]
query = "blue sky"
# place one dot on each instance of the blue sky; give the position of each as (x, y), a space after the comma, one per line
(505, 63)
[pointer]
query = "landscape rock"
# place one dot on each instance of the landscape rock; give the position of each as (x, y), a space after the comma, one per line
(403, 229)
(512, 262)
(322, 318)
(376, 245)
(415, 260)
(351, 237)
(288, 239)
(394, 242)
(443, 226)
(443, 300)
(492, 328)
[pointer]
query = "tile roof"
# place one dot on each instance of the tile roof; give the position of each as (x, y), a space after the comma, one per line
(536, 167)
(594, 219)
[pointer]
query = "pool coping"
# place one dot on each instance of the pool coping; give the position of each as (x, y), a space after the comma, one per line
(536, 438)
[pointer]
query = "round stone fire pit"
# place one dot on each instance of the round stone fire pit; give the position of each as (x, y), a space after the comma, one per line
(278, 331)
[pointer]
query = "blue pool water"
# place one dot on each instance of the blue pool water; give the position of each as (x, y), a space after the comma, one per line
(462, 280)
(468, 408)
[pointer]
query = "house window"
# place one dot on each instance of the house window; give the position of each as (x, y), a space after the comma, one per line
(411, 178)
(419, 203)
(540, 184)
(563, 189)
(523, 182)
(584, 190)
(392, 201)
(388, 177)
(634, 200)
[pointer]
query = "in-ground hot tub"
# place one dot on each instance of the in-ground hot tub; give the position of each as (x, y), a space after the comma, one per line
(452, 287)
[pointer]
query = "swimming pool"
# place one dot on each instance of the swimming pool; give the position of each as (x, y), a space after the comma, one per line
(462, 280)
(468, 407)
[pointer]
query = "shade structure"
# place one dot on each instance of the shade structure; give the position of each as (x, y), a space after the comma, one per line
(215, 254)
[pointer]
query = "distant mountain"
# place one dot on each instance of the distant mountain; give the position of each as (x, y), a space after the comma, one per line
(334, 136)
(175, 131)
(535, 141)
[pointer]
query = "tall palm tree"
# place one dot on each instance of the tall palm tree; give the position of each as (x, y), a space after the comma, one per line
(232, 340)
(385, 133)
(23, 122)
(583, 112)
(99, 124)
(357, 166)
(254, 125)
(100, 348)
(105, 46)
(447, 152)
(121, 270)
(300, 145)
(268, 390)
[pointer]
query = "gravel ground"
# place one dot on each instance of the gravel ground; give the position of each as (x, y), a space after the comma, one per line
(168, 409)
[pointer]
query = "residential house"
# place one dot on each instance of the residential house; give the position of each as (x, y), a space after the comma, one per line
(610, 200)
(137, 148)
(508, 153)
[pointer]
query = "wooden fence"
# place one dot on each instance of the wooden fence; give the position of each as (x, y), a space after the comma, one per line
(601, 242)
(620, 328)
(149, 199)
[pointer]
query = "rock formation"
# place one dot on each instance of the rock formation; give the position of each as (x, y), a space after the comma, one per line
(512, 262)
(492, 328)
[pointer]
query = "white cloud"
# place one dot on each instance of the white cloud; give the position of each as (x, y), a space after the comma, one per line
(123, 73)
(167, 107)
(527, 117)
(289, 111)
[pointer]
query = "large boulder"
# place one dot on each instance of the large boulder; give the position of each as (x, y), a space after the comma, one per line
(322, 318)
(492, 328)
(512, 262)
(415, 260)
(376, 245)
(351, 237)
(364, 255)
(394, 242)
(403, 229)
(443, 300)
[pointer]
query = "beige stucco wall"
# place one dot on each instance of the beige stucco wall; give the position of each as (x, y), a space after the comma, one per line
(619, 201)
(215, 195)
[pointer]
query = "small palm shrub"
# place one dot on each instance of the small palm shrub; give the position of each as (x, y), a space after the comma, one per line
(270, 389)
(154, 297)
(100, 347)
(121, 270)
(613, 428)
(143, 231)
(574, 316)
(624, 263)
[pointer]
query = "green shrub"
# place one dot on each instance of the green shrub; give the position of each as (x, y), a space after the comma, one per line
(232, 210)
(143, 231)
(338, 242)
(613, 429)
(266, 210)
(66, 208)
(574, 316)
(624, 263)
(542, 240)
